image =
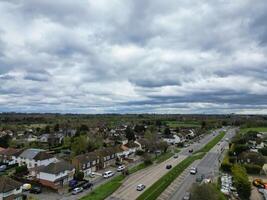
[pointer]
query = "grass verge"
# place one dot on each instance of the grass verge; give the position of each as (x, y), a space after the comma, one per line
(103, 191)
(160, 185)
(212, 143)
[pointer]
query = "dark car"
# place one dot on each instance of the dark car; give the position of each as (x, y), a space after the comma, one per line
(36, 190)
(190, 150)
(168, 166)
(87, 185)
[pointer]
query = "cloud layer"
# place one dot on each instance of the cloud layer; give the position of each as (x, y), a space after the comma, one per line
(117, 56)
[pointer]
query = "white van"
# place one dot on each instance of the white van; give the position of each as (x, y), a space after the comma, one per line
(108, 174)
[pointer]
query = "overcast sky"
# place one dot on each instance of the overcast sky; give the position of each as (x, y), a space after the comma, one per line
(133, 56)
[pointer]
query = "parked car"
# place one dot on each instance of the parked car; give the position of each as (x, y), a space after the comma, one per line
(168, 166)
(190, 150)
(26, 187)
(36, 190)
(2, 168)
(140, 187)
(258, 183)
(73, 183)
(87, 185)
(120, 168)
(200, 178)
(108, 174)
(187, 196)
(175, 156)
(77, 190)
(193, 170)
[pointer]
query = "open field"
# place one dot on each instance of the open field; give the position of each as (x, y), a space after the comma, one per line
(177, 124)
(259, 129)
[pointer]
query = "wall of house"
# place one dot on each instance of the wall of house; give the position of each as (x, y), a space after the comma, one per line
(10, 194)
(33, 163)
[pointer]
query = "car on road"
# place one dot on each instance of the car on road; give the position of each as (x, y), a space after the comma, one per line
(77, 190)
(108, 174)
(193, 170)
(175, 156)
(200, 178)
(187, 196)
(87, 185)
(168, 166)
(121, 168)
(140, 187)
(258, 183)
(36, 190)
(190, 150)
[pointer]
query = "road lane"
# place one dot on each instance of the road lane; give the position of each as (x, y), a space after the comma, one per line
(151, 174)
(208, 166)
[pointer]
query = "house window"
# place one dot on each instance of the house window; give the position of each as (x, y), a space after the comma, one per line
(88, 164)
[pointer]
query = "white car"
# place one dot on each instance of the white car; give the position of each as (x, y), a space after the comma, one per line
(77, 190)
(120, 168)
(108, 174)
(193, 170)
(140, 187)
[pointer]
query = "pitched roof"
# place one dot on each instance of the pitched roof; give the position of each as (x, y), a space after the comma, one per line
(85, 158)
(7, 184)
(57, 167)
(131, 145)
(35, 154)
(11, 152)
(43, 156)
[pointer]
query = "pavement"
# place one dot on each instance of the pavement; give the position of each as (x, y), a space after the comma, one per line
(151, 174)
(209, 166)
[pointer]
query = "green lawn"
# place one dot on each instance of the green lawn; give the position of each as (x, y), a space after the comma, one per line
(105, 190)
(161, 158)
(259, 129)
(176, 124)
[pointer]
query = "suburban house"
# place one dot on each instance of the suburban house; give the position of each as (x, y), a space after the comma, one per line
(52, 139)
(34, 158)
(55, 175)
(87, 163)
(10, 189)
(9, 155)
(107, 156)
(172, 139)
(128, 149)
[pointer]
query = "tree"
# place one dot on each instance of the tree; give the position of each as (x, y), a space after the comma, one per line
(47, 129)
(129, 134)
(79, 145)
(163, 146)
(206, 192)
(167, 131)
(56, 128)
(79, 176)
(4, 141)
(241, 181)
(67, 142)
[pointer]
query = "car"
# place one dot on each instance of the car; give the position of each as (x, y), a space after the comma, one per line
(2, 168)
(187, 196)
(193, 170)
(26, 187)
(87, 185)
(190, 150)
(140, 187)
(200, 178)
(108, 174)
(168, 166)
(121, 168)
(77, 190)
(175, 156)
(36, 190)
(258, 183)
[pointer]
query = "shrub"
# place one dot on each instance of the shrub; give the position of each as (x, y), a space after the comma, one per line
(263, 151)
(21, 169)
(139, 152)
(253, 169)
(226, 165)
(79, 176)
(241, 182)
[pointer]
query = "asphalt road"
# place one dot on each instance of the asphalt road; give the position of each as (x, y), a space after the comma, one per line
(151, 174)
(209, 166)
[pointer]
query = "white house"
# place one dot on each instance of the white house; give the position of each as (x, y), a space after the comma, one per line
(10, 189)
(35, 158)
(174, 139)
(56, 175)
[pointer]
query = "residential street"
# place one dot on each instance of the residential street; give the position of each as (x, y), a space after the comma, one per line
(208, 166)
(152, 174)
